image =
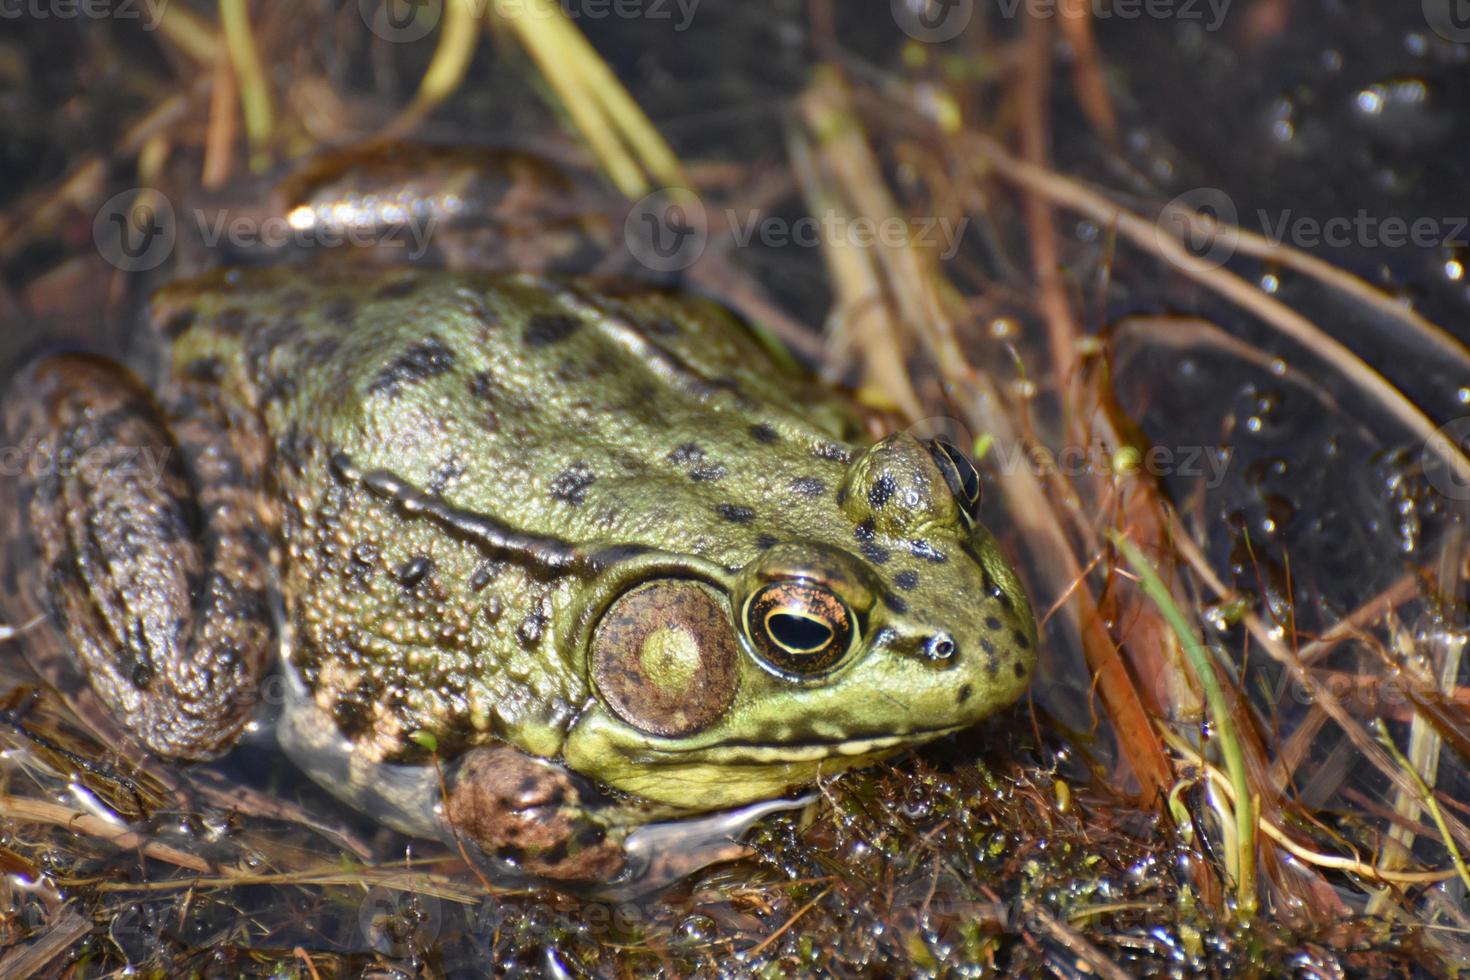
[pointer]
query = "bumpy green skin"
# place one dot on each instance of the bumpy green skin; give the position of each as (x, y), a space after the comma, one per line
(449, 479)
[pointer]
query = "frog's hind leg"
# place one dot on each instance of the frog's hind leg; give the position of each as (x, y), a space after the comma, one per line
(144, 548)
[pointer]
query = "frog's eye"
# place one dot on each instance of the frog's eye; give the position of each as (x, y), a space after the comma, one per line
(798, 627)
(960, 474)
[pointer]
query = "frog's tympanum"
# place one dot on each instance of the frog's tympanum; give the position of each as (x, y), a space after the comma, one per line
(556, 564)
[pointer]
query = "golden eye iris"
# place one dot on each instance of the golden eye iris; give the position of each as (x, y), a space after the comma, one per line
(798, 627)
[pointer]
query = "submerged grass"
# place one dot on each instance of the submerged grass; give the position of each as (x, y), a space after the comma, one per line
(1243, 866)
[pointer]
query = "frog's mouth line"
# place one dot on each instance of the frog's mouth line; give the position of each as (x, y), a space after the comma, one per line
(811, 751)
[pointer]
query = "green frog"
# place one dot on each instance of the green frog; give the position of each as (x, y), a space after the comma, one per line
(552, 567)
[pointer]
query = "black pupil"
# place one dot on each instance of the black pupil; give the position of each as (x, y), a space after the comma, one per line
(798, 633)
(960, 474)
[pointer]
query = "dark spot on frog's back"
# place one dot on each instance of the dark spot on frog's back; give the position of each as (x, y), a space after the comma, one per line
(882, 491)
(907, 579)
(923, 549)
(426, 359)
(482, 385)
(570, 485)
(545, 329)
(322, 351)
(340, 312)
(352, 718)
(398, 289)
(413, 572)
(206, 369)
(231, 320)
(177, 323)
(832, 452)
(236, 603)
(763, 433)
(533, 627)
(735, 513)
(293, 300)
(277, 388)
(686, 454)
(808, 486)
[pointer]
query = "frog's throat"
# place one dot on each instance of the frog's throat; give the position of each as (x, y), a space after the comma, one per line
(717, 775)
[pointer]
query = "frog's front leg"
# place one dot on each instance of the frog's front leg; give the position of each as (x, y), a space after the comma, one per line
(533, 814)
(551, 823)
(144, 542)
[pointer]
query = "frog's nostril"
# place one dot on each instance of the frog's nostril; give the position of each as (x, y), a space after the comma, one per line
(940, 648)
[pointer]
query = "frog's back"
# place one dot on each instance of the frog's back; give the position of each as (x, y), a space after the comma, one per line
(567, 414)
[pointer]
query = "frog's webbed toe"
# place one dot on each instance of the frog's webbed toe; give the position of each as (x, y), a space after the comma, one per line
(161, 594)
(532, 814)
